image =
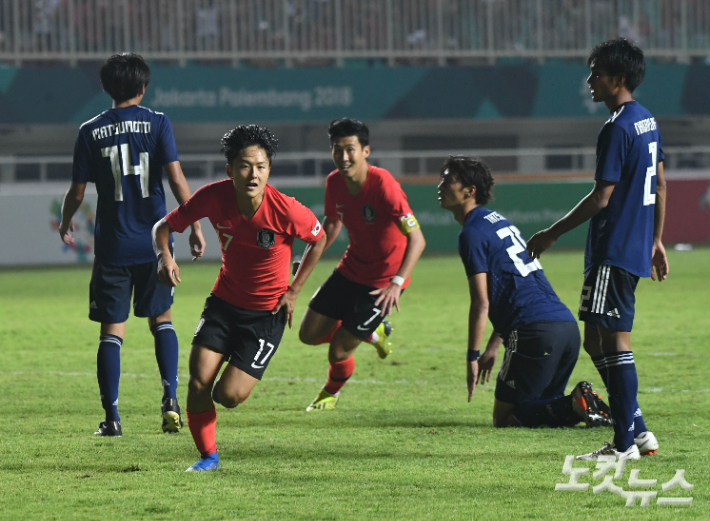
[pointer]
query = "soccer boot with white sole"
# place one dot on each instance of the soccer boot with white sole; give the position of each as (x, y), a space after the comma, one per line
(384, 330)
(647, 443)
(210, 462)
(589, 406)
(172, 420)
(323, 401)
(609, 450)
(109, 429)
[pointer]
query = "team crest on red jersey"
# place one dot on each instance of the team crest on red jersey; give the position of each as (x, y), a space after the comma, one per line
(266, 238)
(368, 213)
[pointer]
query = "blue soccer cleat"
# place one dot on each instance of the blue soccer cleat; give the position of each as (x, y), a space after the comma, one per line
(210, 462)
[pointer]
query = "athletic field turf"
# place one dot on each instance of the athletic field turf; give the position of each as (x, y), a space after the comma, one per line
(403, 443)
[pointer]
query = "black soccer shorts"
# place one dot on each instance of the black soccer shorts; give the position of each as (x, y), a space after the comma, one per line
(340, 298)
(248, 338)
(539, 359)
(609, 298)
(111, 287)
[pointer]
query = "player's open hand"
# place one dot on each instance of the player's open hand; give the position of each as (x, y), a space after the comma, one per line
(471, 378)
(64, 232)
(387, 297)
(168, 271)
(197, 243)
(659, 262)
(288, 301)
(485, 365)
(540, 242)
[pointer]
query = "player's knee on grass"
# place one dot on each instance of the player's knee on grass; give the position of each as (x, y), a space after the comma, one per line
(503, 415)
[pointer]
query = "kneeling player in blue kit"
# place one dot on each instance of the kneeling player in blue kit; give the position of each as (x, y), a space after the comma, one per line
(540, 333)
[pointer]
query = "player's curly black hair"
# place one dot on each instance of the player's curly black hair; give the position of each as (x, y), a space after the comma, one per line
(124, 75)
(471, 171)
(243, 136)
(346, 127)
(620, 57)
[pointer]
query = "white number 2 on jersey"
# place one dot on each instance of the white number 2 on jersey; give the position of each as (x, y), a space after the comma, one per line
(126, 168)
(648, 197)
(518, 247)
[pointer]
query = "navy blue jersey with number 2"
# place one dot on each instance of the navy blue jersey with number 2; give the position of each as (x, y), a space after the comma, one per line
(628, 153)
(123, 151)
(518, 291)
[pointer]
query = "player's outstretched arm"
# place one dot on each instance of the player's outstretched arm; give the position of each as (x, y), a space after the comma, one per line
(587, 208)
(659, 260)
(311, 255)
(168, 271)
(72, 201)
(477, 316)
(388, 296)
(181, 191)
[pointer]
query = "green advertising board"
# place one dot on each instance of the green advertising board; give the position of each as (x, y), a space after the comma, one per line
(529, 206)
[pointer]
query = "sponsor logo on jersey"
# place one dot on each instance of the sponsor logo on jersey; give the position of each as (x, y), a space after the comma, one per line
(315, 231)
(266, 238)
(368, 213)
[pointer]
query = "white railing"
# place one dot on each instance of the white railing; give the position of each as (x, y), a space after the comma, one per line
(312, 167)
(301, 31)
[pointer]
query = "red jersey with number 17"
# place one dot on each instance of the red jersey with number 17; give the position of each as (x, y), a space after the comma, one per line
(256, 252)
(372, 218)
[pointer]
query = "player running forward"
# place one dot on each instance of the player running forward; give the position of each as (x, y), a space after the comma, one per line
(251, 301)
(124, 151)
(385, 244)
(627, 208)
(540, 334)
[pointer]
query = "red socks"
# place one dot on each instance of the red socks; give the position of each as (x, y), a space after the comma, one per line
(202, 427)
(338, 374)
(327, 338)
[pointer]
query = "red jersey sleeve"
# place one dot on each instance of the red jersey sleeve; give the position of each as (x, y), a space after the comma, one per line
(304, 224)
(395, 199)
(192, 210)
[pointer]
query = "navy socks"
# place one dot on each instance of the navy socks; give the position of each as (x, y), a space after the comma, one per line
(166, 353)
(639, 424)
(108, 373)
(622, 384)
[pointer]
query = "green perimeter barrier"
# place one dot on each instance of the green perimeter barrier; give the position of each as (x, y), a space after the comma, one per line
(529, 206)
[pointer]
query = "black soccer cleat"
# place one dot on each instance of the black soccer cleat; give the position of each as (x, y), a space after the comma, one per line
(590, 407)
(109, 429)
(172, 420)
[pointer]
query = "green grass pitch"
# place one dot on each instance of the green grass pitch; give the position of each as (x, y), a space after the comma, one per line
(403, 443)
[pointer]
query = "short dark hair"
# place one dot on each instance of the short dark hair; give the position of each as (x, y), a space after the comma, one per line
(244, 136)
(471, 171)
(620, 57)
(124, 75)
(346, 127)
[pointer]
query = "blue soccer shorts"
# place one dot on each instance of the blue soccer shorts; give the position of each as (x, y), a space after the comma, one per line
(539, 359)
(111, 288)
(608, 298)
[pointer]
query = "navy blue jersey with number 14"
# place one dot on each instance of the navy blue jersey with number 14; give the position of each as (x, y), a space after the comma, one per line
(123, 151)
(628, 153)
(518, 291)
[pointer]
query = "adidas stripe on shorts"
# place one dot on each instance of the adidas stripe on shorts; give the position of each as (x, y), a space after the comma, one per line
(608, 298)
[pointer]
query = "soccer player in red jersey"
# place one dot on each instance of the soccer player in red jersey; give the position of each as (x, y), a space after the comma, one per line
(385, 244)
(251, 302)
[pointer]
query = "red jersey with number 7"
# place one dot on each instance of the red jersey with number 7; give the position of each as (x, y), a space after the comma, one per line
(374, 219)
(256, 252)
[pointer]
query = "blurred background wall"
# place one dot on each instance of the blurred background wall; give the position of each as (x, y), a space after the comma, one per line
(500, 79)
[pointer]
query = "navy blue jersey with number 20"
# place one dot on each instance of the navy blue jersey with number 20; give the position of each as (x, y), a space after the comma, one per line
(123, 151)
(628, 153)
(518, 291)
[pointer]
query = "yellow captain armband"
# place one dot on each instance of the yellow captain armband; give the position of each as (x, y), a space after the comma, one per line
(408, 223)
